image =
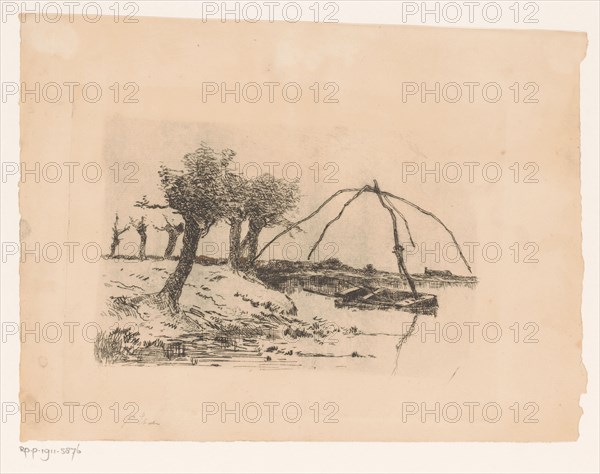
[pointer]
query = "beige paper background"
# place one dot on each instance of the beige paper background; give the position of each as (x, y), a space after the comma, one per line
(368, 133)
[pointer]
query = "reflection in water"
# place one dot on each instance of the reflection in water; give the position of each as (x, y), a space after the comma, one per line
(403, 339)
(320, 285)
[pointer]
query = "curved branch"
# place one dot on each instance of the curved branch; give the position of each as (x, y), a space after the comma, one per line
(147, 205)
(297, 223)
(430, 214)
(391, 204)
(346, 204)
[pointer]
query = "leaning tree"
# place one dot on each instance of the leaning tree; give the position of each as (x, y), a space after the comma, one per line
(385, 199)
(199, 195)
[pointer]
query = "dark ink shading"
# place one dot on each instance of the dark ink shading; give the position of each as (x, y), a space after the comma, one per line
(174, 231)
(140, 226)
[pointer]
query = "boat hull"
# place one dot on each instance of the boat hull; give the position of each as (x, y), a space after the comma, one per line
(365, 299)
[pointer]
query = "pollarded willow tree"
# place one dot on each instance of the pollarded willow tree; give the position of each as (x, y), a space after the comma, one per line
(260, 202)
(173, 231)
(385, 199)
(270, 200)
(116, 236)
(140, 227)
(198, 193)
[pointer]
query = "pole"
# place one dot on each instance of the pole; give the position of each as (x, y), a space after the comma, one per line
(398, 248)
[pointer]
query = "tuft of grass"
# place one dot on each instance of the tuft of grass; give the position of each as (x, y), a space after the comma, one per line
(116, 345)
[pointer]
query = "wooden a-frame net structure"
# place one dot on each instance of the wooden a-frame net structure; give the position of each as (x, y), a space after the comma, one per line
(385, 199)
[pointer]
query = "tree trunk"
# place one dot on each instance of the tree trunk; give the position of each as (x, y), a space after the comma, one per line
(174, 284)
(113, 247)
(235, 235)
(250, 244)
(171, 244)
(143, 238)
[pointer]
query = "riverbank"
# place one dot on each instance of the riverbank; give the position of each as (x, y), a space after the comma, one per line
(225, 317)
(332, 277)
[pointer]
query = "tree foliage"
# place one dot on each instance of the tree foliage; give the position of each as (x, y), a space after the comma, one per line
(198, 192)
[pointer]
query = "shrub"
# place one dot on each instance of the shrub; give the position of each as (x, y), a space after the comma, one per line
(369, 268)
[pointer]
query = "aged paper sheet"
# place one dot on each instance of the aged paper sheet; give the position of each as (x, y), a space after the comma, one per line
(166, 287)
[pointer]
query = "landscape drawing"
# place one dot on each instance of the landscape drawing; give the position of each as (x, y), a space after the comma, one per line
(244, 309)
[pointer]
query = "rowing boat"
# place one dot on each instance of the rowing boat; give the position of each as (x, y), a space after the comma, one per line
(385, 298)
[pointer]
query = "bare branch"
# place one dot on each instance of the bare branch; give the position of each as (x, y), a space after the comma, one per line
(297, 223)
(145, 204)
(346, 204)
(125, 229)
(431, 214)
(387, 200)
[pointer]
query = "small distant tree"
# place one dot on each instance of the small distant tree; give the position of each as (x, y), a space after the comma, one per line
(116, 236)
(140, 226)
(174, 231)
(369, 268)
